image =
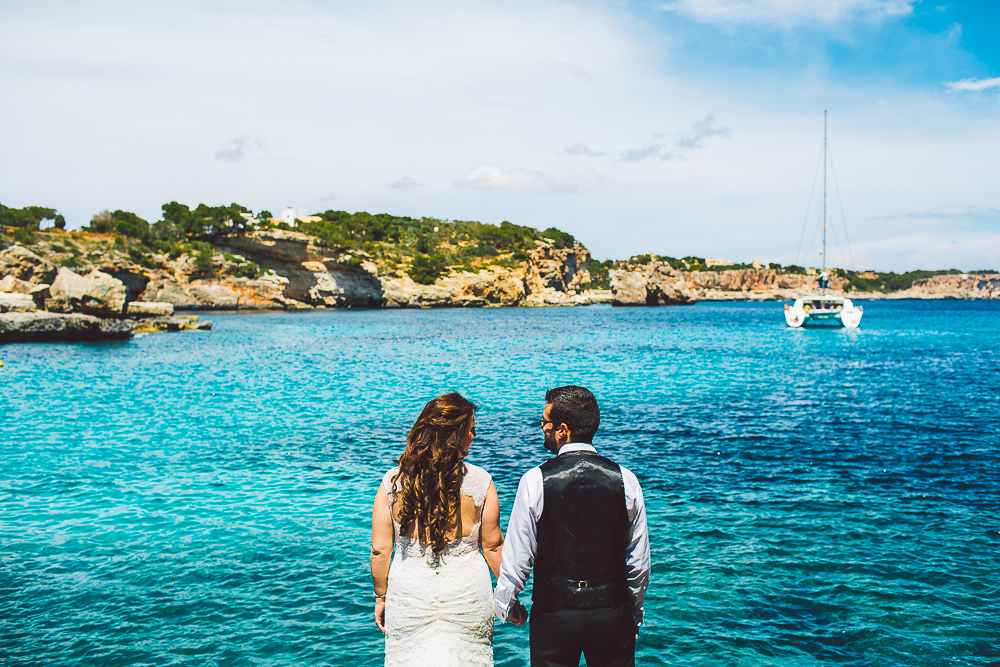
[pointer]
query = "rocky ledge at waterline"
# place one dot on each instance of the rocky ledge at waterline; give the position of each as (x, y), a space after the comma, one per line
(73, 307)
(657, 283)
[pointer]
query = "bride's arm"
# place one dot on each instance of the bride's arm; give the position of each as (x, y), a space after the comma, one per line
(382, 541)
(491, 536)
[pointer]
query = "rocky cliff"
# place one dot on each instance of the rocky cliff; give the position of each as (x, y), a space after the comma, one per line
(656, 283)
(40, 302)
(101, 275)
(550, 277)
(755, 284)
(294, 273)
(277, 269)
(955, 286)
(652, 284)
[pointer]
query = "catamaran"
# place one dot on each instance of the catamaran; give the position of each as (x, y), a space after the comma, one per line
(823, 308)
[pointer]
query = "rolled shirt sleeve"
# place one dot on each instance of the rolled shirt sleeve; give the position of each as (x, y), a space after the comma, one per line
(520, 544)
(638, 565)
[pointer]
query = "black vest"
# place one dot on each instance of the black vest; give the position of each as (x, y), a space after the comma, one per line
(582, 534)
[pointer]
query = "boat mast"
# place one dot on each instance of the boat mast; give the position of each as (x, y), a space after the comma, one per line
(822, 275)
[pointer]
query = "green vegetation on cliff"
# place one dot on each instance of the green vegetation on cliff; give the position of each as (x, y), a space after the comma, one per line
(433, 244)
(868, 281)
(426, 248)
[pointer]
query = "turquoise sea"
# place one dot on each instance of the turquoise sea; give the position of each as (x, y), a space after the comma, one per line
(815, 497)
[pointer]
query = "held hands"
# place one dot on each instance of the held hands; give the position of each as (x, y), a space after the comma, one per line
(518, 614)
(380, 614)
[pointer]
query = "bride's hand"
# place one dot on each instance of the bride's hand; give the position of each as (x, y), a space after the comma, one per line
(380, 614)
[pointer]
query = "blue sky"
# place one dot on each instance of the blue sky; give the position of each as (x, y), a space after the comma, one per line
(678, 127)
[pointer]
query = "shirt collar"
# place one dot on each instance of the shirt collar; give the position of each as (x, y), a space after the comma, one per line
(577, 447)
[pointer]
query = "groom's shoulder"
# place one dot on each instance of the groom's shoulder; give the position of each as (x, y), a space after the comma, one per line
(532, 475)
(628, 474)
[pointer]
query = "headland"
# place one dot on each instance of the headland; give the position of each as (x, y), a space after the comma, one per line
(122, 275)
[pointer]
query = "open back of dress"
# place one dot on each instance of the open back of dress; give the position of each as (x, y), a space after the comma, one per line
(439, 606)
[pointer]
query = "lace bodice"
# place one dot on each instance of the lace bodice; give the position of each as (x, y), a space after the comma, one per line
(439, 607)
(475, 485)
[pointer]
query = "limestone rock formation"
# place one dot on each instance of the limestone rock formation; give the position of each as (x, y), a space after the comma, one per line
(16, 302)
(42, 326)
(26, 266)
(39, 302)
(170, 323)
(149, 309)
(551, 277)
(24, 327)
(954, 286)
(650, 284)
(757, 284)
(97, 294)
(499, 287)
(313, 275)
(40, 293)
(559, 269)
(332, 285)
(276, 244)
(656, 282)
(11, 284)
(133, 276)
(226, 294)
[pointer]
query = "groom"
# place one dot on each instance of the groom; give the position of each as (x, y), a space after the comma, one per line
(580, 520)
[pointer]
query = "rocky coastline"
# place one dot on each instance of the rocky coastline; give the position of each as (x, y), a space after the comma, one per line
(113, 294)
(296, 273)
(40, 302)
(657, 283)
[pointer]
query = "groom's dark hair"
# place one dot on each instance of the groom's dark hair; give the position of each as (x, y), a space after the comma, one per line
(577, 408)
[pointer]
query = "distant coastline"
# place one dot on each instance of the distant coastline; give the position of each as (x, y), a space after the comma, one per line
(224, 258)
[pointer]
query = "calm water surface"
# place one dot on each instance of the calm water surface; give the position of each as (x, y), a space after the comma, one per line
(814, 497)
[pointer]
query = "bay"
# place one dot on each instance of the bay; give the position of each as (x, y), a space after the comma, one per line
(814, 497)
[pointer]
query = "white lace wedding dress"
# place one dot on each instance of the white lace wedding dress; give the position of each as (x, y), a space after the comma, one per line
(439, 608)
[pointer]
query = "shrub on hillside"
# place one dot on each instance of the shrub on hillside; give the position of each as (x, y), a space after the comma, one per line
(427, 268)
(29, 218)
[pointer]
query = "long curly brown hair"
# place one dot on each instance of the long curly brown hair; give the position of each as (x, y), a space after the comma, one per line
(430, 470)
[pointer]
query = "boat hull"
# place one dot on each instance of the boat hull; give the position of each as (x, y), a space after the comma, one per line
(823, 311)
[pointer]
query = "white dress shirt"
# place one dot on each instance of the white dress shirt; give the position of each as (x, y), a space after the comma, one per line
(521, 545)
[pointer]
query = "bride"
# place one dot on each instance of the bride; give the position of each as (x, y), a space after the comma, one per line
(435, 601)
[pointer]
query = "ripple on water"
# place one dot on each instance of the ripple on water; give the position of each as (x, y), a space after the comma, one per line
(814, 497)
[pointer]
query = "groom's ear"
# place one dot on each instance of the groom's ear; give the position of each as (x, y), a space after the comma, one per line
(564, 431)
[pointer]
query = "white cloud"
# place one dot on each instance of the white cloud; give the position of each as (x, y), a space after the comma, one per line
(404, 183)
(352, 96)
(581, 149)
(966, 252)
(700, 130)
(238, 148)
(969, 213)
(974, 84)
(636, 154)
(492, 177)
(787, 13)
